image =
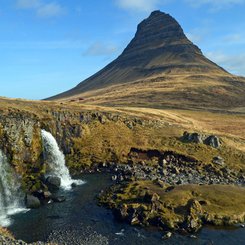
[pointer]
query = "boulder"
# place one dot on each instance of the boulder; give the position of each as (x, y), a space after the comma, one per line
(39, 194)
(73, 185)
(218, 160)
(58, 198)
(213, 141)
(47, 194)
(53, 183)
(196, 138)
(32, 201)
(192, 137)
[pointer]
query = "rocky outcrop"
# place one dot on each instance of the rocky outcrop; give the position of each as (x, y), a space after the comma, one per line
(210, 140)
(183, 208)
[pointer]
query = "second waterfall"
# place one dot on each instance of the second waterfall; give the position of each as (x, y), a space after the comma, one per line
(55, 159)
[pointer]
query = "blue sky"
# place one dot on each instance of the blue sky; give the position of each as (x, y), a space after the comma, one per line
(49, 46)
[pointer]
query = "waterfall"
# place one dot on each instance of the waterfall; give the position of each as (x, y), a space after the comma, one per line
(11, 196)
(55, 160)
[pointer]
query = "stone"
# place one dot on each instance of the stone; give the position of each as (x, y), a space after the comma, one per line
(161, 183)
(73, 185)
(47, 194)
(167, 235)
(218, 160)
(155, 197)
(135, 221)
(213, 141)
(196, 138)
(192, 137)
(56, 198)
(114, 178)
(53, 183)
(32, 202)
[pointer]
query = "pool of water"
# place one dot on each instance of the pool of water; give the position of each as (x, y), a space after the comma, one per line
(80, 210)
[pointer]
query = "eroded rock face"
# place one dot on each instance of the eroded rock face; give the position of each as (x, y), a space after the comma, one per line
(194, 219)
(20, 137)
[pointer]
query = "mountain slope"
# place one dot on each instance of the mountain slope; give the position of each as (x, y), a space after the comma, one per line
(160, 68)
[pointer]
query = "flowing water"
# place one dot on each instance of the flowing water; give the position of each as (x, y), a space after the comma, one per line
(11, 197)
(55, 160)
(80, 211)
(79, 217)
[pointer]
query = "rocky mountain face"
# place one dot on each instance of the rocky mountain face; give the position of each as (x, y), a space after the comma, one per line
(159, 46)
(160, 68)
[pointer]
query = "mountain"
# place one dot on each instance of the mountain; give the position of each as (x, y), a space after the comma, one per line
(160, 68)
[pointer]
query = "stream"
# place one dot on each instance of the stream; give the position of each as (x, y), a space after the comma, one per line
(79, 218)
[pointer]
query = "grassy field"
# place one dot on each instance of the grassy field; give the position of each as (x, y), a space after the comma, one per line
(182, 91)
(114, 139)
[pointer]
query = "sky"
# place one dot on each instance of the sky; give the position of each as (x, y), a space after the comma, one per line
(49, 46)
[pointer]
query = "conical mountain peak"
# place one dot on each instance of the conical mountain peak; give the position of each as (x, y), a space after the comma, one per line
(159, 32)
(159, 48)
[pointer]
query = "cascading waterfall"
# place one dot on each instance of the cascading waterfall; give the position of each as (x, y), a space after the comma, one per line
(11, 196)
(55, 160)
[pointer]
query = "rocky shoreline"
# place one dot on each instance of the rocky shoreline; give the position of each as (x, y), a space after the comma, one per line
(142, 187)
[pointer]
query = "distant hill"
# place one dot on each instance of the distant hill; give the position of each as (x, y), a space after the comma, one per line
(161, 68)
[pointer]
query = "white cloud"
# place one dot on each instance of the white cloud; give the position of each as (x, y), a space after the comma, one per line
(215, 4)
(100, 49)
(138, 5)
(41, 8)
(234, 63)
(49, 10)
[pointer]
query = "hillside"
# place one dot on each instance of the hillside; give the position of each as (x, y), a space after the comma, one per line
(161, 68)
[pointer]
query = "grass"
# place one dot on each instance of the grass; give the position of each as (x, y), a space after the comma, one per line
(207, 204)
(182, 91)
(161, 129)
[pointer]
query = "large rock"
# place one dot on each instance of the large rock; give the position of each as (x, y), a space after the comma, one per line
(213, 141)
(53, 183)
(32, 202)
(192, 137)
(218, 160)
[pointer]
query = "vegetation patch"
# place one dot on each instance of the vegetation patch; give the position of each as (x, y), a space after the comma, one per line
(181, 208)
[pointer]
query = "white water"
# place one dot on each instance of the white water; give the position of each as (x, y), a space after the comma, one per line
(55, 160)
(11, 196)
